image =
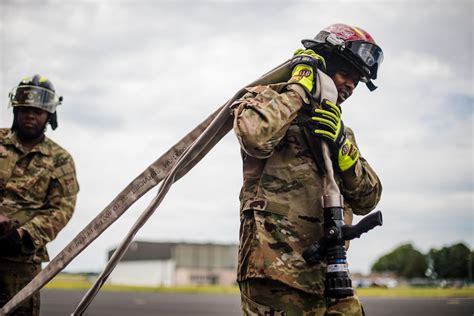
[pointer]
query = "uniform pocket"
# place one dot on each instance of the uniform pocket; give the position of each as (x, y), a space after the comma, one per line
(33, 184)
(66, 177)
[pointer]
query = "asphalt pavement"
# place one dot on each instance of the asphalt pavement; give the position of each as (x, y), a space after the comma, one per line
(63, 302)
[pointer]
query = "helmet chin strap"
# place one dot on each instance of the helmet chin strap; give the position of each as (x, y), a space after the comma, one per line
(53, 120)
(370, 85)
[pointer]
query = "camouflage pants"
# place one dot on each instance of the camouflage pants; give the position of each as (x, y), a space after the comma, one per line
(13, 277)
(272, 298)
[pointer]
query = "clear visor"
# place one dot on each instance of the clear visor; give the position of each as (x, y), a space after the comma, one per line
(34, 96)
(370, 54)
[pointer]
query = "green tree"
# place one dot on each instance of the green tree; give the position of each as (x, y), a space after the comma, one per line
(453, 262)
(405, 261)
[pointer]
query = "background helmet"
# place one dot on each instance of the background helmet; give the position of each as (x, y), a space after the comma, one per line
(354, 45)
(37, 92)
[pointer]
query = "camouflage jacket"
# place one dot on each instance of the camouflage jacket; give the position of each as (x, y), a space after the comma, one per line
(281, 209)
(37, 191)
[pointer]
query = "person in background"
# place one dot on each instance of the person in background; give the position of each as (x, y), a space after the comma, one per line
(38, 188)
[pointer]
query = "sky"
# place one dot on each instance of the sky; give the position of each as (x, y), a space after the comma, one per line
(136, 76)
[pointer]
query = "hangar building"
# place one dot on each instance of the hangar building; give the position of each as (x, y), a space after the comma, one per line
(176, 264)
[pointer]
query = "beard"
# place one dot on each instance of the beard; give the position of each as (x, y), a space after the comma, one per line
(30, 133)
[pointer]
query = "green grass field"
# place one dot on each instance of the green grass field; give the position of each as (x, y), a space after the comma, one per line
(70, 282)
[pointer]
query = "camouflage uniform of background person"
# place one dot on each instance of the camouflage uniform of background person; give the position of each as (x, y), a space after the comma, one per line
(281, 211)
(38, 189)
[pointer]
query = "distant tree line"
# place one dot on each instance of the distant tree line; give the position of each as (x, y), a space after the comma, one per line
(452, 262)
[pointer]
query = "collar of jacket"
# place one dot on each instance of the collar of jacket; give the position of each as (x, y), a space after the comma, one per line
(43, 147)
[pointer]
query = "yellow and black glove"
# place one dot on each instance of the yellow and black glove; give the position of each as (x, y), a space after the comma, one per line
(304, 64)
(326, 123)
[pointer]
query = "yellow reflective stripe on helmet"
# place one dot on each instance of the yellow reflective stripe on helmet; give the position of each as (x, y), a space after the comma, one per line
(358, 31)
(43, 79)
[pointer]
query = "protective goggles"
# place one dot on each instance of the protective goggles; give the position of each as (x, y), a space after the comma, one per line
(369, 54)
(34, 96)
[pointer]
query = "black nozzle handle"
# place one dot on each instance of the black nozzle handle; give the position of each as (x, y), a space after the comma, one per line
(316, 252)
(367, 223)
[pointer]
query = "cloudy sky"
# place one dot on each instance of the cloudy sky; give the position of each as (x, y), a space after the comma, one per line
(136, 76)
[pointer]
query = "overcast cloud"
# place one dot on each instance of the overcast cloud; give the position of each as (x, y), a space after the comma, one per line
(136, 76)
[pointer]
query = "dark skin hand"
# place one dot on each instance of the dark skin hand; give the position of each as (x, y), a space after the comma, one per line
(5, 224)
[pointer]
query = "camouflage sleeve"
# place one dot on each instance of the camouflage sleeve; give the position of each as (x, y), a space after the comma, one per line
(262, 117)
(361, 186)
(59, 207)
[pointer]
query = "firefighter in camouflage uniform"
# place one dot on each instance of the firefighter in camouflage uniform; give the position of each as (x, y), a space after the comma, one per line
(38, 188)
(281, 211)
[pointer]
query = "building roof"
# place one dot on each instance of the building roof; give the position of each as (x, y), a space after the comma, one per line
(143, 250)
(184, 254)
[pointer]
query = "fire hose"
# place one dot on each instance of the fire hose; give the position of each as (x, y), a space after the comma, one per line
(171, 166)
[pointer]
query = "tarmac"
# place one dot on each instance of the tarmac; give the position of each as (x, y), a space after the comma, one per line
(63, 302)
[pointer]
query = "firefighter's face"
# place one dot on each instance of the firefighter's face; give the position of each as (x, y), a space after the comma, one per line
(31, 122)
(346, 80)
